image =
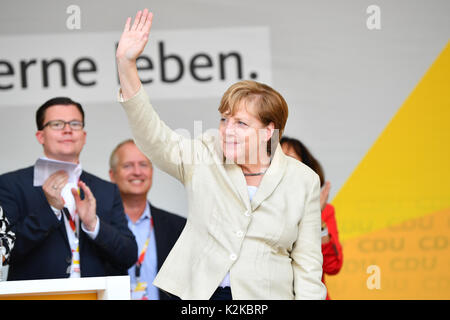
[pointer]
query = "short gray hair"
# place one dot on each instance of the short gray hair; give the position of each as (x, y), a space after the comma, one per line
(113, 157)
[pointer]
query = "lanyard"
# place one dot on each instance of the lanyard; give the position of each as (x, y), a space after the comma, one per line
(71, 221)
(69, 217)
(137, 270)
(74, 268)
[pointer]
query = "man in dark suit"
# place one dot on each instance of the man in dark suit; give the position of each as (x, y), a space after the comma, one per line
(156, 230)
(55, 240)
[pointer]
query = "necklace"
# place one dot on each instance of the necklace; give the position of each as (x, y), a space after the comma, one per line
(254, 174)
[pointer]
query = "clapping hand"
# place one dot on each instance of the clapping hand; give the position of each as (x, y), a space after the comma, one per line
(52, 188)
(86, 208)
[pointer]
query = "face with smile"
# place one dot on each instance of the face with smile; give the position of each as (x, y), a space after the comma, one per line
(65, 144)
(243, 136)
(132, 171)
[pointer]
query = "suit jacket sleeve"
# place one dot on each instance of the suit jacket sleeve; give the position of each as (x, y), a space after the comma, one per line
(306, 253)
(114, 239)
(167, 149)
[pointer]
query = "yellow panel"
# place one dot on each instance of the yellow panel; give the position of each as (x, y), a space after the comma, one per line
(413, 257)
(406, 172)
(393, 212)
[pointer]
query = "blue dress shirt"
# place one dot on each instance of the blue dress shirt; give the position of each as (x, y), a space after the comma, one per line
(149, 268)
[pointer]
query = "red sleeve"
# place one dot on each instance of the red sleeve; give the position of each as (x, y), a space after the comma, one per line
(332, 251)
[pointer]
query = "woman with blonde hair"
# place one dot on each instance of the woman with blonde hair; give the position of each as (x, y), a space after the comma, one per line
(247, 234)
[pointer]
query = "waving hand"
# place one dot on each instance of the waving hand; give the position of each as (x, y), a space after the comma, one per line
(135, 37)
(131, 44)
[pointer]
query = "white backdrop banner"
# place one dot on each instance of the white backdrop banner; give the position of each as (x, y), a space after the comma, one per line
(182, 64)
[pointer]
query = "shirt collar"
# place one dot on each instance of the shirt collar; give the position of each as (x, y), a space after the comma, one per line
(145, 215)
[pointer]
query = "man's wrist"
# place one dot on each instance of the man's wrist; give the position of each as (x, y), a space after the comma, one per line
(57, 212)
(90, 226)
(94, 232)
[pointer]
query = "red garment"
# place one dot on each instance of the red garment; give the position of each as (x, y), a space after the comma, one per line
(332, 251)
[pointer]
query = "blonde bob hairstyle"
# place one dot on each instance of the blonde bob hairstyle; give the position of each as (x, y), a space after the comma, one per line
(270, 106)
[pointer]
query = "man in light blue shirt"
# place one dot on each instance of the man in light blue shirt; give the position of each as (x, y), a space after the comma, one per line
(155, 230)
(143, 276)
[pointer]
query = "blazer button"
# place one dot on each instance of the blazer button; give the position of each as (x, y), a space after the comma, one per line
(233, 257)
(69, 259)
(247, 213)
(239, 234)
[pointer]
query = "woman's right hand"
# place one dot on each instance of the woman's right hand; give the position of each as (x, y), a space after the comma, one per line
(135, 37)
(131, 44)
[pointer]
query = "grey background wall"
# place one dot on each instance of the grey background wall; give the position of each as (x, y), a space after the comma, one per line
(342, 81)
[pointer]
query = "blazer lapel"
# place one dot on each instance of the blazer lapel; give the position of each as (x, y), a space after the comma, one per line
(238, 180)
(233, 174)
(271, 178)
(85, 178)
(161, 241)
(269, 182)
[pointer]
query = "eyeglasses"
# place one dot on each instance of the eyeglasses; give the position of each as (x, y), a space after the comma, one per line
(61, 124)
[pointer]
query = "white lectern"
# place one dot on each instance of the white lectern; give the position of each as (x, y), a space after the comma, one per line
(98, 288)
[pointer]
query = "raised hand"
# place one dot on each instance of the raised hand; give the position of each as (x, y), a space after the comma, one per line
(86, 208)
(324, 193)
(131, 44)
(134, 37)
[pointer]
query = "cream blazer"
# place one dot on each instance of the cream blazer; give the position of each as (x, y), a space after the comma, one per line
(271, 245)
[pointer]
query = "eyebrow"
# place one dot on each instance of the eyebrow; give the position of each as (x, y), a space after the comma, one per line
(237, 118)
